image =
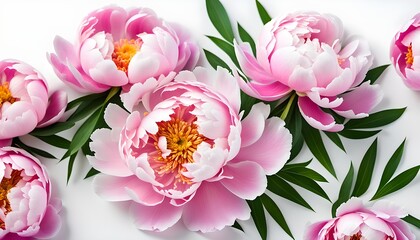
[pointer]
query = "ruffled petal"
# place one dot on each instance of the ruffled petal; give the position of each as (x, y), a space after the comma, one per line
(207, 213)
(253, 124)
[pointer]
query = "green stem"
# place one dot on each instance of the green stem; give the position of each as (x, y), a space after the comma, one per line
(287, 109)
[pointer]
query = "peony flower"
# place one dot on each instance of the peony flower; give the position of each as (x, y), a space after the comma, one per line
(405, 53)
(27, 210)
(184, 152)
(356, 221)
(24, 101)
(118, 47)
(303, 53)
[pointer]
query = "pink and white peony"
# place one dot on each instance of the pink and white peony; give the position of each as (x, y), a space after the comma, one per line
(119, 47)
(303, 53)
(405, 53)
(24, 100)
(355, 221)
(26, 208)
(183, 152)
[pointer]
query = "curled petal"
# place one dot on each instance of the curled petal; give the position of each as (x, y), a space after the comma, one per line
(55, 110)
(316, 117)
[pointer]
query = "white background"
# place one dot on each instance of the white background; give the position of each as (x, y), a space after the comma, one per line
(27, 30)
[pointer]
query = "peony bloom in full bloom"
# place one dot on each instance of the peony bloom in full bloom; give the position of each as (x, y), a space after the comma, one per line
(24, 100)
(355, 221)
(304, 54)
(26, 208)
(118, 47)
(183, 152)
(405, 53)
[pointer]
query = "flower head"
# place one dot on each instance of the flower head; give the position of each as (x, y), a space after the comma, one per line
(119, 47)
(26, 208)
(24, 100)
(303, 53)
(355, 221)
(183, 142)
(405, 53)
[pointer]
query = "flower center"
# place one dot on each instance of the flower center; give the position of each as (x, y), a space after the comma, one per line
(356, 236)
(5, 94)
(409, 59)
(5, 186)
(182, 140)
(124, 51)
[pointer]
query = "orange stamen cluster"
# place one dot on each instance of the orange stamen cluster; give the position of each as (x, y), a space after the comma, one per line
(6, 185)
(5, 94)
(124, 51)
(409, 59)
(356, 236)
(182, 139)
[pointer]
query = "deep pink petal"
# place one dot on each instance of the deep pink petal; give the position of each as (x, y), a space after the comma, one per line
(246, 180)
(55, 110)
(360, 102)
(271, 157)
(316, 117)
(155, 218)
(206, 213)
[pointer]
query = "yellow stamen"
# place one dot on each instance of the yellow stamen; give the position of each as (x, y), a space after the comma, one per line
(409, 59)
(124, 51)
(182, 139)
(5, 186)
(5, 94)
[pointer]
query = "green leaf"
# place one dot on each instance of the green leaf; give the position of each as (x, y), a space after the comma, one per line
(283, 189)
(257, 213)
(412, 220)
(237, 226)
(304, 182)
(275, 213)
(52, 129)
(289, 166)
(375, 120)
(316, 145)
(87, 98)
(345, 190)
(70, 166)
(375, 73)
(364, 175)
(55, 141)
(215, 61)
(92, 172)
(226, 47)
(294, 124)
(220, 19)
(31, 150)
(265, 17)
(85, 109)
(306, 172)
(356, 134)
(245, 37)
(392, 165)
(400, 181)
(82, 135)
(333, 136)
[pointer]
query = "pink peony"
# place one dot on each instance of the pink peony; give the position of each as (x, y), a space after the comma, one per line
(303, 53)
(405, 53)
(355, 221)
(25, 192)
(24, 100)
(184, 152)
(118, 47)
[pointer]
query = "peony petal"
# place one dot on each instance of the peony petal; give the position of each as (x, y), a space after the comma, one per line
(207, 213)
(19, 119)
(115, 116)
(106, 73)
(270, 92)
(56, 107)
(50, 225)
(155, 218)
(253, 124)
(349, 224)
(246, 180)
(360, 102)
(317, 118)
(271, 157)
(107, 157)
